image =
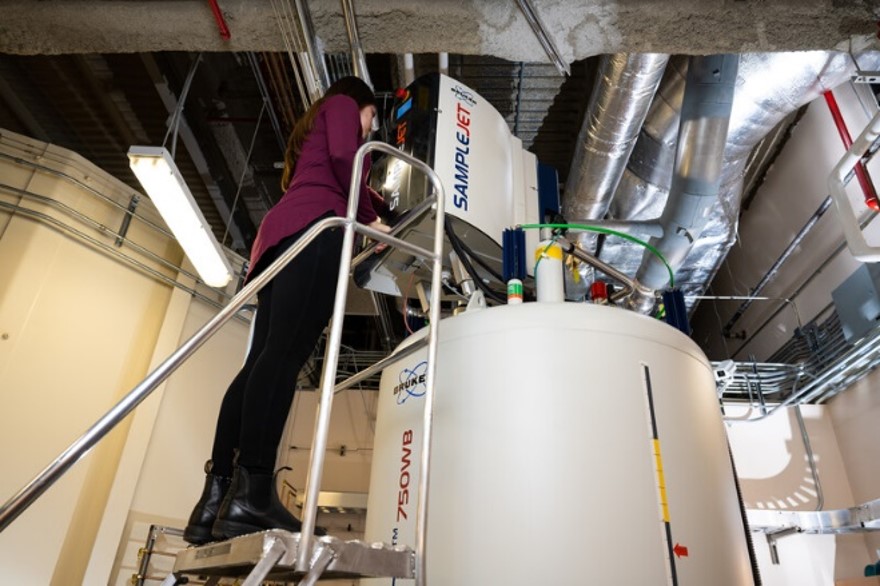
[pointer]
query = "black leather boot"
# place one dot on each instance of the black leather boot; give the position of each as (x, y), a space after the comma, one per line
(201, 521)
(252, 505)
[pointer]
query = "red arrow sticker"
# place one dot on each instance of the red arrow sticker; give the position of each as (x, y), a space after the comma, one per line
(680, 550)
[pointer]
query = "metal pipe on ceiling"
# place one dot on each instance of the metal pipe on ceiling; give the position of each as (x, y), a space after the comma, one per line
(409, 69)
(281, 87)
(303, 48)
(222, 27)
(769, 87)
(292, 44)
(811, 458)
(267, 99)
(624, 90)
(774, 268)
(861, 171)
(358, 59)
(544, 38)
(313, 58)
(643, 189)
(443, 63)
(705, 117)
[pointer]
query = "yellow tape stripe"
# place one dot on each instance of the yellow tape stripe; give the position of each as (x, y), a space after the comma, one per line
(661, 481)
(554, 252)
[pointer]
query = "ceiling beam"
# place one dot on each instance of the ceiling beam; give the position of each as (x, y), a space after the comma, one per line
(488, 27)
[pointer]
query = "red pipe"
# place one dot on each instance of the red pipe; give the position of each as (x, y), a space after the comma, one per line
(221, 22)
(861, 172)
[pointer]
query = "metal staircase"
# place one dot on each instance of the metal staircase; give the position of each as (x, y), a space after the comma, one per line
(276, 554)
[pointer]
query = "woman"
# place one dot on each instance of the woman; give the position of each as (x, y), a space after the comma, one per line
(292, 312)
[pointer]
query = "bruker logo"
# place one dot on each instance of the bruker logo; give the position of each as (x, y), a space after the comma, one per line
(412, 382)
(463, 95)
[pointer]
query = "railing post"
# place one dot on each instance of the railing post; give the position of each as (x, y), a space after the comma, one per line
(328, 378)
(433, 339)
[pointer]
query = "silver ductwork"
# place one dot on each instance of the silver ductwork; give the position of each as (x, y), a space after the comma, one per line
(645, 184)
(705, 115)
(624, 89)
(769, 87)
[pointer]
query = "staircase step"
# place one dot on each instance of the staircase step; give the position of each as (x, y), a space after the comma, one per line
(239, 556)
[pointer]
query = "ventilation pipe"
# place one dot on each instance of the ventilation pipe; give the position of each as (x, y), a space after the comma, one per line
(773, 86)
(770, 87)
(645, 185)
(705, 117)
(624, 89)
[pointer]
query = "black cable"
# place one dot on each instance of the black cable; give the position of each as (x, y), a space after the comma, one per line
(753, 559)
(460, 250)
(480, 261)
(474, 256)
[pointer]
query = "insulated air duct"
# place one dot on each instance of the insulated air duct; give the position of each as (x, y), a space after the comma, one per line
(769, 87)
(705, 116)
(624, 89)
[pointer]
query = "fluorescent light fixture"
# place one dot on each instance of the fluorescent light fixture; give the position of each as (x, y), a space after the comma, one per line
(155, 169)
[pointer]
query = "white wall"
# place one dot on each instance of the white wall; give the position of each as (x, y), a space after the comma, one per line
(774, 474)
(856, 418)
(794, 187)
(170, 471)
(844, 433)
(78, 329)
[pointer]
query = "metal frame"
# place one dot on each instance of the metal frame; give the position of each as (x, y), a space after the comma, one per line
(322, 425)
(864, 517)
(547, 43)
(16, 505)
(273, 554)
(146, 553)
(831, 376)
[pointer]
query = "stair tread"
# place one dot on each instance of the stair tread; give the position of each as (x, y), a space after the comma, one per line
(238, 556)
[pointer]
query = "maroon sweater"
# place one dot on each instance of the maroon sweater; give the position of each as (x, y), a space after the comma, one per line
(322, 178)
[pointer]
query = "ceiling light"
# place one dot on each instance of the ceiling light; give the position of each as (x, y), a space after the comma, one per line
(155, 169)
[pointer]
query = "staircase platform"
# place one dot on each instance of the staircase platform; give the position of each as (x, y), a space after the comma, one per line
(272, 555)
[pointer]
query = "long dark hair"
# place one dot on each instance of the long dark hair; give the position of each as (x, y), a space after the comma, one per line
(350, 86)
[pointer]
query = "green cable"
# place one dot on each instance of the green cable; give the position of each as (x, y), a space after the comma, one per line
(601, 230)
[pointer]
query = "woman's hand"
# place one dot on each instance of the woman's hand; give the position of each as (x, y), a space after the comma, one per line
(378, 225)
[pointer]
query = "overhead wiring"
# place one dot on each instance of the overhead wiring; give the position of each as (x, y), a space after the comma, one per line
(174, 123)
(244, 171)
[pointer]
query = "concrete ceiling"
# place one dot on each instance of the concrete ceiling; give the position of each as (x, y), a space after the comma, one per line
(497, 28)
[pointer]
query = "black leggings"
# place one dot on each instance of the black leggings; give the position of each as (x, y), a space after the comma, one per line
(293, 310)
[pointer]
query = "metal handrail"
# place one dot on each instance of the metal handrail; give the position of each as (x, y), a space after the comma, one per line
(322, 424)
(25, 497)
